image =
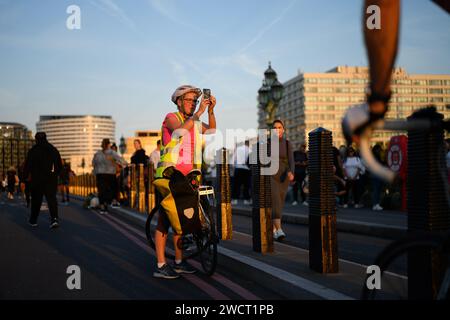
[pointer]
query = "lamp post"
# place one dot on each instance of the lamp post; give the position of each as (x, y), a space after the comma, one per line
(269, 95)
(122, 146)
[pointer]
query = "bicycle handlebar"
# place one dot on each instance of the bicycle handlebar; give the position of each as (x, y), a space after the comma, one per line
(395, 125)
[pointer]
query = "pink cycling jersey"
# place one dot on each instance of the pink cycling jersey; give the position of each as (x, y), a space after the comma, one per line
(185, 159)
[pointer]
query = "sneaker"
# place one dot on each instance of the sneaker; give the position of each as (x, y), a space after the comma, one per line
(359, 206)
(281, 235)
(54, 224)
(115, 205)
(345, 206)
(165, 272)
(234, 201)
(305, 203)
(33, 224)
(103, 209)
(294, 203)
(247, 202)
(183, 267)
(377, 207)
(275, 234)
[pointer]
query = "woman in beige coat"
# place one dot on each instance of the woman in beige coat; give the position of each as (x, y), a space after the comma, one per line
(280, 181)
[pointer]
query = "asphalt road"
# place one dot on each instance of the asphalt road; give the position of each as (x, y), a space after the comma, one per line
(112, 254)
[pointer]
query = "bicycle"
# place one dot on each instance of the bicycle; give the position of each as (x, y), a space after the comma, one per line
(393, 258)
(409, 250)
(205, 240)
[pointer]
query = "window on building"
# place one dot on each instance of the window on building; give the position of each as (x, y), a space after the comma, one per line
(325, 90)
(311, 89)
(420, 82)
(434, 82)
(310, 98)
(325, 99)
(324, 80)
(342, 90)
(435, 91)
(402, 81)
(420, 91)
(341, 81)
(342, 99)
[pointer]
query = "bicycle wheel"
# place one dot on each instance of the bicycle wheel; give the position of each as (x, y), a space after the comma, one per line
(393, 262)
(207, 241)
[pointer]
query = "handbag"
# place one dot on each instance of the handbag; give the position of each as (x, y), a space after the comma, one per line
(285, 173)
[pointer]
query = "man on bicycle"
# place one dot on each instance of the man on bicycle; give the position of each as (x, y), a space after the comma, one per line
(381, 45)
(180, 132)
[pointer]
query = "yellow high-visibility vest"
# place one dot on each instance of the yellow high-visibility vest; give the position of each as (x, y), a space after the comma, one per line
(170, 151)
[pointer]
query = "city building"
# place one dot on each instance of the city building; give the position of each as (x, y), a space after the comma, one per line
(148, 140)
(15, 141)
(77, 137)
(312, 100)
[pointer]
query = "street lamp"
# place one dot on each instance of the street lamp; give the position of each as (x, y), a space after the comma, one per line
(270, 94)
(122, 146)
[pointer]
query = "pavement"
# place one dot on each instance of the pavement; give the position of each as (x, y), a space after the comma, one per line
(386, 224)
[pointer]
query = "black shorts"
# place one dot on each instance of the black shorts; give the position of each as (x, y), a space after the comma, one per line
(163, 222)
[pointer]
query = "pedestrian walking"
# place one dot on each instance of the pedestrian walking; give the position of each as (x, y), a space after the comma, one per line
(156, 155)
(104, 163)
(301, 163)
(12, 182)
(24, 184)
(280, 181)
(353, 170)
(42, 168)
(117, 181)
(64, 179)
(242, 174)
(377, 183)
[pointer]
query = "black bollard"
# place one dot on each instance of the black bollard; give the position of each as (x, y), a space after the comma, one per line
(428, 207)
(323, 255)
(133, 191)
(223, 187)
(141, 188)
(262, 228)
(151, 188)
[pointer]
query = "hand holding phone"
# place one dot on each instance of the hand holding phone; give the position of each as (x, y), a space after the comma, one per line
(206, 94)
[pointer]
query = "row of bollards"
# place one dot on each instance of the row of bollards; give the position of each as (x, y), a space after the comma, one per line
(83, 185)
(141, 193)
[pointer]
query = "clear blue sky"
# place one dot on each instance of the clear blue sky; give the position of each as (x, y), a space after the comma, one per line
(129, 56)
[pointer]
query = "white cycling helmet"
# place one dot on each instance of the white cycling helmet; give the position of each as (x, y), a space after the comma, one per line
(180, 91)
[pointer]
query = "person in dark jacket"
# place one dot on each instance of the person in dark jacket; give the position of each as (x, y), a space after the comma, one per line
(139, 157)
(42, 168)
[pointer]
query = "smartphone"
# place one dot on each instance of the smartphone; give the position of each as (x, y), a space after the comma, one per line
(206, 94)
